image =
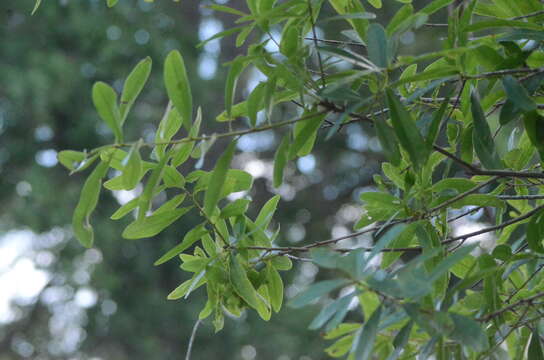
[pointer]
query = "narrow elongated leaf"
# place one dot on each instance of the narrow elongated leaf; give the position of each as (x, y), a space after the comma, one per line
(469, 332)
(535, 347)
(389, 142)
(105, 102)
(241, 284)
(275, 287)
(484, 145)
(189, 239)
(152, 225)
(132, 171)
(400, 341)
(366, 336)
(434, 6)
(267, 211)
(306, 135)
(517, 94)
(535, 232)
(280, 160)
(407, 131)
(230, 85)
(330, 310)
(88, 199)
(235, 208)
(217, 179)
(178, 87)
(377, 45)
(71, 159)
(315, 291)
(133, 86)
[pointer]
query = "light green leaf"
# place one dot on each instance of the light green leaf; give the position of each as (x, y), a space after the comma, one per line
(241, 284)
(88, 199)
(217, 179)
(125, 209)
(132, 171)
(267, 211)
(105, 102)
(188, 240)
(235, 208)
(71, 159)
(152, 225)
(111, 3)
(275, 287)
(304, 136)
(178, 87)
(133, 86)
(236, 68)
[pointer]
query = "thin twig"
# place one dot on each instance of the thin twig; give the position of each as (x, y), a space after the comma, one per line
(528, 301)
(192, 340)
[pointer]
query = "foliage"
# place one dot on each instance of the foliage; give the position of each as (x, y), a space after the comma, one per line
(461, 132)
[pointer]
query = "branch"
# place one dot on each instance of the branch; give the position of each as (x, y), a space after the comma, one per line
(528, 301)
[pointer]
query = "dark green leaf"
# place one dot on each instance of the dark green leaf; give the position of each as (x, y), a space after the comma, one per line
(517, 94)
(339, 305)
(230, 85)
(364, 340)
(280, 160)
(535, 347)
(275, 287)
(315, 291)
(484, 145)
(377, 45)
(469, 332)
(407, 131)
(535, 232)
(389, 142)
(235, 208)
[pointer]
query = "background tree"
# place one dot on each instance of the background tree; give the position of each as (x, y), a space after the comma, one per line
(416, 278)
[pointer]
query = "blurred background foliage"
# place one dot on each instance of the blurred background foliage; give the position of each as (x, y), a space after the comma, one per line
(60, 301)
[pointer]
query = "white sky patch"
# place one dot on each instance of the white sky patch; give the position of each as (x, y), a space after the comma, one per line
(306, 164)
(256, 168)
(86, 297)
(207, 66)
(47, 158)
(486, 240)
(124, 196)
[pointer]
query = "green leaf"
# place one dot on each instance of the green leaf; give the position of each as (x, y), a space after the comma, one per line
(36, 6)
(280, 160)
(133, 171)
(88, 199)
(377, 45)
(305, 134)
(241, 284)
(534, 126)
(254, 103)
(125, 209)
(235, 208)
(105, 102)
(178, 87)
(400, 340)
(133, 86)
(236, 68)
(517, 94)
(469, 332)
(435, 6)
(535, 232)
(366, 336)
(388, 140)
(340, 305)
(376, 3)
(217, 179)
(407, 131)
(71, 159)
(444, 266)
(267, 211)
(275, 287)
(535, 346)
(188, 240)
(111, 3)
(496, 23)
(316, 291)
(484, 145)
(152, 225)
